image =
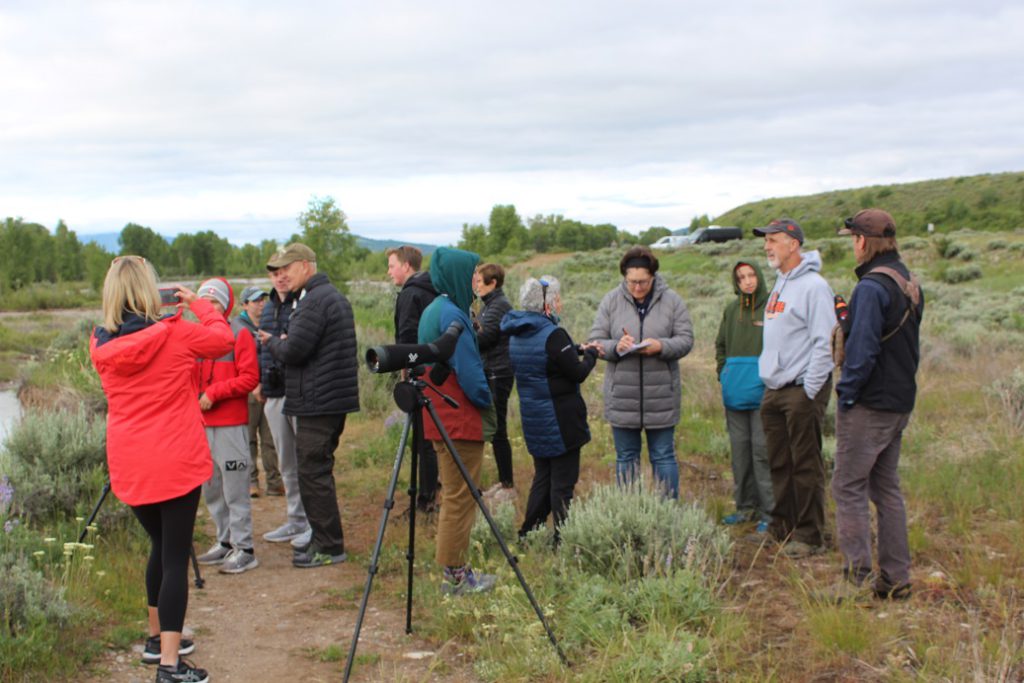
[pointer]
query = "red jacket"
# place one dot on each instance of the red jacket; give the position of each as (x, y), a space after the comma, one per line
(228, 380)
(156, 445)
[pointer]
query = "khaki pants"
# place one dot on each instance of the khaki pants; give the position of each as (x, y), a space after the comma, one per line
(458, 507)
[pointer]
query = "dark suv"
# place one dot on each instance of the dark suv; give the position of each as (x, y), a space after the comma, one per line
(714, 233)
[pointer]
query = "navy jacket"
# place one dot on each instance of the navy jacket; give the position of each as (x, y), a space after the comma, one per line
(876, 374)
(415, 295)
(548, 371)
(321, 374)
(274, 320)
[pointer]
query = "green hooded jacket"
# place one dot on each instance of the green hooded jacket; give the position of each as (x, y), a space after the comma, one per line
(742, 321)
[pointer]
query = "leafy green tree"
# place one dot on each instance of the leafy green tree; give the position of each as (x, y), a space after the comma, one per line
(325, 231)
(474, 238)
(142, 241)
(67, 253)
(505, 230)
(95, 263)
(700, 222)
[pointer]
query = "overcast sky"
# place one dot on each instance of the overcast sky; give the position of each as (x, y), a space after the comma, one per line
(418, 117)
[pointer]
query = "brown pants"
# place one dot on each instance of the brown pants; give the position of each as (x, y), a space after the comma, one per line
(458, 507)
(792, 431)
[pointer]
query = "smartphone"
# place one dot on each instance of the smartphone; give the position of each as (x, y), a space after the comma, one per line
(169, 295)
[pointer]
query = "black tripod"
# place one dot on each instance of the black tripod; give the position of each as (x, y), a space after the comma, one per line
(411, 400)
(96, 510)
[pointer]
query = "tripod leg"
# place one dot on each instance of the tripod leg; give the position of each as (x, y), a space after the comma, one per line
(95, 511)
(200, 582)
(388, 504)
(417, 445)
(512, 561)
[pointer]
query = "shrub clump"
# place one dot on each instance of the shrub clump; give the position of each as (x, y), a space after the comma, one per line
(633, 532)
(56, 462)
(1010, 392)
(27, 599)
(960, 274)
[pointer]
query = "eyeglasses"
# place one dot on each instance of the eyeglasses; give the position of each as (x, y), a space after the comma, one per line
(639, 284)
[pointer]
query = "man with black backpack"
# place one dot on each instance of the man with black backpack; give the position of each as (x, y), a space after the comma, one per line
(876, 396)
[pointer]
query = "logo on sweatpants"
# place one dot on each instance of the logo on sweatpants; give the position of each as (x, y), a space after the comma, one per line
(236, 466)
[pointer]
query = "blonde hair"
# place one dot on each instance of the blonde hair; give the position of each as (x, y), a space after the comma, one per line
(130, 286)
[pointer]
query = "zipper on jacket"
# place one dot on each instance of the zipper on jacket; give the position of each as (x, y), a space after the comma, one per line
(641, 357)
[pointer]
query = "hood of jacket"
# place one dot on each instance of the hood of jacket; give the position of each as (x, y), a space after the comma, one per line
(750, 302)
(810, 262)
(451, 272)
(420, 280)
(133, 346)
(524, 322)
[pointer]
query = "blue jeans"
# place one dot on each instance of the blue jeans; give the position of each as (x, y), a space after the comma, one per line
(661, 448)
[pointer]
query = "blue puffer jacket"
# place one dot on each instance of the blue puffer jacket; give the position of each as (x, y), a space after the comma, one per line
(548, 373)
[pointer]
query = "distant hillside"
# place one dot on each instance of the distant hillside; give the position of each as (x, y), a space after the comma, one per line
(108, 240)
(982, 202)
(381, 245)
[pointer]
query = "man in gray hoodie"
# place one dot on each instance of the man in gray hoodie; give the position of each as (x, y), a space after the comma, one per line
(796, 368)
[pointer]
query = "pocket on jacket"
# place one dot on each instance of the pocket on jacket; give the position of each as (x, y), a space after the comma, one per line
(742, 388)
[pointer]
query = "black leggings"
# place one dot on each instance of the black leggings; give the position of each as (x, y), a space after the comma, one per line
(169, 524)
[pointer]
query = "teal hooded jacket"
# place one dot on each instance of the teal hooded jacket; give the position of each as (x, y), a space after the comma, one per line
(451, 272)
(739, 344)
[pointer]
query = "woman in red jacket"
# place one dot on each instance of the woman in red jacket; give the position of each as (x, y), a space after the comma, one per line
(157, 452)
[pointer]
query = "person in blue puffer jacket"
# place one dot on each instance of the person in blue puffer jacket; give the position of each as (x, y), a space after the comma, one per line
(549, 368)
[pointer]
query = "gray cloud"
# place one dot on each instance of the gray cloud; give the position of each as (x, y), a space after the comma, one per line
(178, 105)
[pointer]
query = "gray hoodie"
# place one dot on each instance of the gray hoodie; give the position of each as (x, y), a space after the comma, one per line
(798, 322)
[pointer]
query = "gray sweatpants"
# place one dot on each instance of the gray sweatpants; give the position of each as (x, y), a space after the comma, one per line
(282, 429)
(751, 473)
(867, 458)
(227, 491)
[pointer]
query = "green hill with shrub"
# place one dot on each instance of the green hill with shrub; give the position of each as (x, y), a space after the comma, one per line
(991, 202)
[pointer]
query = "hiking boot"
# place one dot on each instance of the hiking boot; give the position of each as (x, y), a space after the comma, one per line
(885, 591)
(302, 541)
(254, 490)
(215, 555)
(736, 518)
(843, 591)
(184, 672)
(311, 559)
(470, 582)
(285, 532)
(798, 550)
(238, 561)
(151, 652)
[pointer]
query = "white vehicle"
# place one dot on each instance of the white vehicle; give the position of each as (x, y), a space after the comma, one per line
(671, 242)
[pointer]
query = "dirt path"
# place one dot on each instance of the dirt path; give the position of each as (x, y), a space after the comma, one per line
(278, 623)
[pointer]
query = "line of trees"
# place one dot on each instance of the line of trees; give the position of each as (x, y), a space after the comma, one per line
(30, 253)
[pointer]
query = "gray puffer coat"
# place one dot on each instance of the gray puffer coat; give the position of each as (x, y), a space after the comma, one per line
(643, 391)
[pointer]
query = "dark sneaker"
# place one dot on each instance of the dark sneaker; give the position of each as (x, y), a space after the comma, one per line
(151, 652)
(312, 558)
(883, 591)
(798, 550)
(238, 561)
(214, 555)
(470, 583)
(185, 672)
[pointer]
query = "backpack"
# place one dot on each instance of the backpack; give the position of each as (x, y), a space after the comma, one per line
(912, 293)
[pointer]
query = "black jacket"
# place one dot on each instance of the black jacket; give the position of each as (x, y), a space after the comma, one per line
(881, 374)
(416, 294)
(493, 344)
(321, 377)
(274, 320)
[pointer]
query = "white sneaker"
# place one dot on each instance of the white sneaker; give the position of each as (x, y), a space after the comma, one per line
(303, 539)
(285, 532)
(239, 561)
(215, 555)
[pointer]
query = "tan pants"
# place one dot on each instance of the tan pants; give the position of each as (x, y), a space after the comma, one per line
(458, 508)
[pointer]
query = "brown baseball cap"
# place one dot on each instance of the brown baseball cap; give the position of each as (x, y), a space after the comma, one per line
(870, 223)
(783, 225)
(296, 251)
